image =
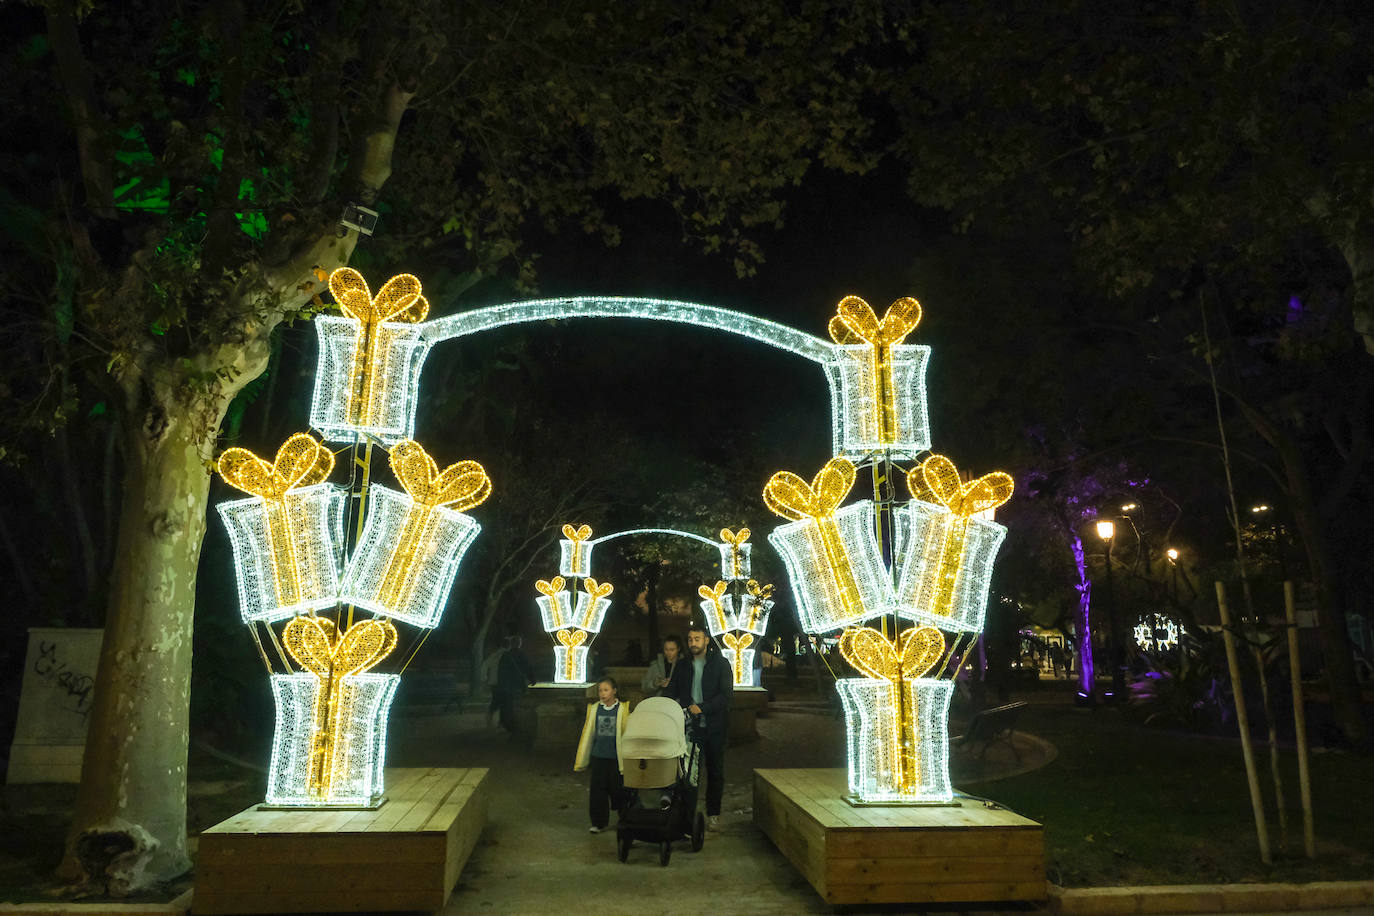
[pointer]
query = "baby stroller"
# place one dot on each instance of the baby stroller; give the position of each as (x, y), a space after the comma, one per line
(660, 753)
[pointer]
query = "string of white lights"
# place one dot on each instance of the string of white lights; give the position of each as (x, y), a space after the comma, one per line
(947, 563)
(386, 411)
(873, 747)
(832, 592)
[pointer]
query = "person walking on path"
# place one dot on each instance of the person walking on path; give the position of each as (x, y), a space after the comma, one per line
(490, 666)
(661, 668)
(513, 675)
(704, 686)
(599, 750)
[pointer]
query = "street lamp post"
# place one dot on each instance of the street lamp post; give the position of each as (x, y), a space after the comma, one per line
(1106, 530)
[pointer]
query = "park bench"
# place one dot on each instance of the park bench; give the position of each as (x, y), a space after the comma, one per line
(991, 726)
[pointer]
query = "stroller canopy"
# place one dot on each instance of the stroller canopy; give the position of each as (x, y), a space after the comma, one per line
(655, 730)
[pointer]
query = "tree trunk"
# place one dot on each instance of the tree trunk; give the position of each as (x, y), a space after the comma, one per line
(130, 825)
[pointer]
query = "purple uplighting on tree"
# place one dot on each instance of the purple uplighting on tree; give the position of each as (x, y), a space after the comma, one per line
(1085, 641)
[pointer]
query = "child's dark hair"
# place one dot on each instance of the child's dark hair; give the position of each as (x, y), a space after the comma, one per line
(610, 680)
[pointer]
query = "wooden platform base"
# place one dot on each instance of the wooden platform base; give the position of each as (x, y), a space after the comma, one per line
(966, 853)
(406, 855)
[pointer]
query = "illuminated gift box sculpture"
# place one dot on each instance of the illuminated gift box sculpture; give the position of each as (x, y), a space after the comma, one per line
(286, 538)
(368, 374)
(749, 611)
(898, 719)
(575, 553)
(947, 553)
(573, 629)
(882, 381)
(412, 544)
(831, 554)
(740, 657)
(735, 562)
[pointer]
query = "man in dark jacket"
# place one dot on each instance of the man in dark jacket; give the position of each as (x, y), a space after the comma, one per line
(705, 687)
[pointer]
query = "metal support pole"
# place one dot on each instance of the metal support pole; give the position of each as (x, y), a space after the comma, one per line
(1299, 721)
(1243, 720)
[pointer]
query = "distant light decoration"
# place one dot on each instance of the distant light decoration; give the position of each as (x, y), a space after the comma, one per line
(735, 562)
(948, 552)
(831, 554)
(286, 537)
(369, 368)
(878, 375)
(412, 544)
(749, 611)
(1157, 633)
(592, 604)
(898, 733)
(573, 628)
(554, 607)
(576, 559)
(570, 657)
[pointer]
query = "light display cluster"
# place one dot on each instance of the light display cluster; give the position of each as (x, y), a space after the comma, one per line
(943, 544)
(1157, 633)
(736, 618)
(573, 622)
(735, 562)
(289, 549)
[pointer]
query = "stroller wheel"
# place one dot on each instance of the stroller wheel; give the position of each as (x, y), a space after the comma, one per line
(665, 851)
(623, 844)
(698, 832)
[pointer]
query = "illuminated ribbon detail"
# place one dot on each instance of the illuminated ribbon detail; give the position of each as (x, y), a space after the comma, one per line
(459, 487)
(788, 495)
(915, 652)
(595, 591)
(551, 590)
(737, 645)
(855, 320)
(735, 541)
(577, 536)
(571, 639)
(759, 606)
(713, 606)
(398, 300)
(300, 462)
(312, 642)
(938, 482)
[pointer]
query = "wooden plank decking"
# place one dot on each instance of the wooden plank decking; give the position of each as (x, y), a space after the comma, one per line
(964, 853)
(406, 855)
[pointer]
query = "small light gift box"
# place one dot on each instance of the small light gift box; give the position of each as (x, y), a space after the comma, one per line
(413, 542)
(370, 359)
(714, 608)
(897, 720)
(287, 536)
(735, 562)
(831, 554)
(749, 611)
(740, 657)
(575, 557)
(329, 746)
(575, 633)
(882, 381)
(946, 551)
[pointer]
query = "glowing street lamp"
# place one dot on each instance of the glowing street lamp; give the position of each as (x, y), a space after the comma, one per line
(1106, 529)
(1172, 554)
(1130, 507)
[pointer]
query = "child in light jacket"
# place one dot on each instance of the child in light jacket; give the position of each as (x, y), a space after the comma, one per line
(599, 751)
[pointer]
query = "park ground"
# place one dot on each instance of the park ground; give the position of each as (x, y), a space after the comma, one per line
(1122, 804)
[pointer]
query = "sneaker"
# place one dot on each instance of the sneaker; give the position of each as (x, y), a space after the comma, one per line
(713, 822)
(593, 829)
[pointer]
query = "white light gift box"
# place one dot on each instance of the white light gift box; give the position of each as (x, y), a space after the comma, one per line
(413, 542)
(288, 534)
(876, 757)
(740, 657)
(837, 575)
(748, 612)
(368, 372)
(882, 404)
(570, 657)
(555, 604)
(356, 760)
(575, 556)
(735, 560)
(714, 606)
(945, 550)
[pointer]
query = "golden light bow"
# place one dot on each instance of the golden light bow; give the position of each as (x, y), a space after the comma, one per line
(915, 651)
(789, 496)
(458, 487)
(300, 462)
(855, 320)
(313, 643)
(399, 300)
(938, 481)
